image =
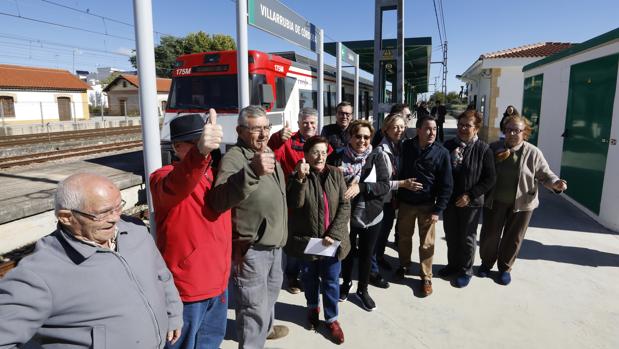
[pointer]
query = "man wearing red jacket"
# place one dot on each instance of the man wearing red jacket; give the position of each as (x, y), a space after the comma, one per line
(194, 240)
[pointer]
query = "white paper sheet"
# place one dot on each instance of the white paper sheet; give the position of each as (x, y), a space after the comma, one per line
(315, 247)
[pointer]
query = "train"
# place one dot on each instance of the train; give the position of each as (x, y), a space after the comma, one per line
(282, 82)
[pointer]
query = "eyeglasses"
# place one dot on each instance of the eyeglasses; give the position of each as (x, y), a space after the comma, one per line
(364, 137)
(258, 129)
(465, 126)
(317, 153)
(341, 113)
(103, 215)
(513, 131)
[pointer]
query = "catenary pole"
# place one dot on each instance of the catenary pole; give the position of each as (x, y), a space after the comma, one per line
(338, 77)
(321, 79)
(357, 99)
(145, 51)
(242, 54)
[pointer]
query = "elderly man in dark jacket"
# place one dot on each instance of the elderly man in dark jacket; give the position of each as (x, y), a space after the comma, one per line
(97, 281)
(427, 165)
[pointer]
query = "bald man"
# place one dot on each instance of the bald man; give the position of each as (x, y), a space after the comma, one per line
(96, 281)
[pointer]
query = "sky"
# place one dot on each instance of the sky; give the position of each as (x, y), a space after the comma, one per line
(43, 32)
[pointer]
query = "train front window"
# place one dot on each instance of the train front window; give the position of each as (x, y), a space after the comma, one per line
(203, 92)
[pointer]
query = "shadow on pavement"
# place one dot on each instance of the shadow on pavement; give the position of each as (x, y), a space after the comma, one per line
(128, 162)
(535, 250)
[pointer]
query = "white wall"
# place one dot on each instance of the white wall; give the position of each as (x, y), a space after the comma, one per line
(552, 123)
(29, 105)
(510, 84)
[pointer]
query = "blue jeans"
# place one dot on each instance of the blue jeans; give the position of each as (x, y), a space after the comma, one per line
(204, 323)
(383, 235)
(322, 275)
(293, 266)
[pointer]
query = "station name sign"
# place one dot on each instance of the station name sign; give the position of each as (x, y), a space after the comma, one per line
(277, 19)
(348, 55)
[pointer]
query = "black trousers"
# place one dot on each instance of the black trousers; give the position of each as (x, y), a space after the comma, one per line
(365, 240)
(441, 133)
(460, 224)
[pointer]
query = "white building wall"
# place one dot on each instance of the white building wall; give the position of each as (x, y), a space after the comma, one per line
(552, 123)
(510, 84)
(34, 105)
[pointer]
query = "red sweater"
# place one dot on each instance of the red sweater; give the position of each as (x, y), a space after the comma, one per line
(288, 153)
(194, 240)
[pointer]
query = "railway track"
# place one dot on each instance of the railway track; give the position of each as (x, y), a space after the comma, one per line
(22, 160)
(11, 141)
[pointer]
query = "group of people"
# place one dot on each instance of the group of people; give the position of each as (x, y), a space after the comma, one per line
(233, 221)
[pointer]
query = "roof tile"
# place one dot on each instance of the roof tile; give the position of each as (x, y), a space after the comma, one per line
(20, 77)
(541, 49)
(163, 85)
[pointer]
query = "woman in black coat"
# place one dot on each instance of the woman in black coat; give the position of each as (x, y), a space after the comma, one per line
(473, 176)
(367, 177)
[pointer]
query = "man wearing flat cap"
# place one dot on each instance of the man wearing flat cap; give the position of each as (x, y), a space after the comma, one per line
(195, 240)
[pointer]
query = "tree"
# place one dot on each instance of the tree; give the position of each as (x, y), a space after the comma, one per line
(110, 78)
(170, 47)
(452, 97)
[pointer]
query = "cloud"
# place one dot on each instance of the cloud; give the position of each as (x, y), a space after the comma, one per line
(124, 51)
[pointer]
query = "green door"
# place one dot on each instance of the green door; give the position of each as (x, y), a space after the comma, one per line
(587, 129)
(532, 103)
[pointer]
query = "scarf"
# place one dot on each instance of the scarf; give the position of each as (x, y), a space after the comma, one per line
(457, 155)
(352, 163)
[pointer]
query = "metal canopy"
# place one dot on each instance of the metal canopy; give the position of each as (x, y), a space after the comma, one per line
(417, 53)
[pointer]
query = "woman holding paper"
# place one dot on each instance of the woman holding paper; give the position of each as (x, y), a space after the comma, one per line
(367, 177)
(319, 213)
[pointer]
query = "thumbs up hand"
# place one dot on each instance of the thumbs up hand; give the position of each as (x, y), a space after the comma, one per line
(211, 134)
(286, 132)
(302, 169)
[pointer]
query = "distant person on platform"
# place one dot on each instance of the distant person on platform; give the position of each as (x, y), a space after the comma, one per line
(422, 109)
(288, 149)
(509, 111)
(439, 111)
(97, 281)
(195, 241)
(337, 134)
(251, 183)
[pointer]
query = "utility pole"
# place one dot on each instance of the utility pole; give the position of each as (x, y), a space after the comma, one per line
(445, 71)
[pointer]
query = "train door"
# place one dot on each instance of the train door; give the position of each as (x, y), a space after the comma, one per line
(64, 108)
(532, 103)
(587, 128)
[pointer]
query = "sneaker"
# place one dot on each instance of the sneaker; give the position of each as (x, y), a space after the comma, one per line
(462, 280)
(344, 290)
(278, 331)
(366, 301)
(294, 287)
(312, 318)
(382, 262)
(337, 335)
(401, 272)
(483, 271)
(505, 278)
(426, 288)
(446, 271)
(378, 281)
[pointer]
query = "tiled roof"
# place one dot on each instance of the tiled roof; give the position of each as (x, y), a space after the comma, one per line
(18, 77)
(163, 85)
(541, 49)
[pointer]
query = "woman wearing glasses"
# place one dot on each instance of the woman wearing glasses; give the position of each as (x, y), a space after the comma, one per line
(472, 167)
(318, 209)
(367, 177)
(520, 166)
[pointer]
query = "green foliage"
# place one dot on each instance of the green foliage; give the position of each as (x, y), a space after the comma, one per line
(110, 78)
(452, 97)
(170, 47)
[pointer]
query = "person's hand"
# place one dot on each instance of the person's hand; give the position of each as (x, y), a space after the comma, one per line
(560, 185)
(302, 169)
(285, 132)
(352, 191)
(410, 184)
(174, 335)
(211, 134)
(327, 241)
(433, 219)
(263, 163)
(463, 201)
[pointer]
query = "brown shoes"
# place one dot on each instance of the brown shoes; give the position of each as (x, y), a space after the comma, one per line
(337, 335)
(427, 288)
(278, 332)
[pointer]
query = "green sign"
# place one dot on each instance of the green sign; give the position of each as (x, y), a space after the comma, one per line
(348, 55)
(277, 19)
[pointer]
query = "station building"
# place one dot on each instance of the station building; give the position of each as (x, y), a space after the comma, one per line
(572, 95)
(123, 95)
(30, 94)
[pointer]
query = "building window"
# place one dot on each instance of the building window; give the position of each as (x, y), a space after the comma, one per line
(124, 84)
(7, 107)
